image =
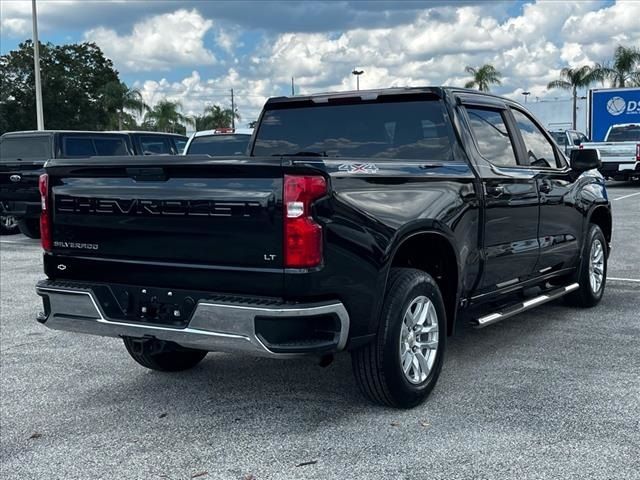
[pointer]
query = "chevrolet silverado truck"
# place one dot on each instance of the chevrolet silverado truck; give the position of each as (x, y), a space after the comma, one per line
(23, 155)
(620, 152)
(373, 222)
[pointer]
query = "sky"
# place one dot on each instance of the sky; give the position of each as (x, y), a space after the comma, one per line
(196, 51)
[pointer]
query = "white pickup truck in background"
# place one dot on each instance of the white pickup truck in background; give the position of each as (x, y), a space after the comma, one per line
(620, 152)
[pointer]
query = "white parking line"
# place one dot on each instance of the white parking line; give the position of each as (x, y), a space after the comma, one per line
(626, 196)
(634, 280)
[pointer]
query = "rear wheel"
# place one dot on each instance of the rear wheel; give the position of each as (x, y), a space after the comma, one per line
(162, 356)
(30, 227)
(401, 366)
(592, 272)
(8, 225)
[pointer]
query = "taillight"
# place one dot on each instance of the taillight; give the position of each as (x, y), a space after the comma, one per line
(302, 235)
(46, 236)
(638, 152)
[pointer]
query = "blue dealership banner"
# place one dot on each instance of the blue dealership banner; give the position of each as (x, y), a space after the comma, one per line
(612, 106)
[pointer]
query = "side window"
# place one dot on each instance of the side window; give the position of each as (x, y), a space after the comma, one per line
(540, 152)
(180, 144)
(155, 145)
(110, 146)
(490, 131)
(78, 147)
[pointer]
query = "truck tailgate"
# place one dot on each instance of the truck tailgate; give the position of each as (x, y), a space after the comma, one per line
(172, 212)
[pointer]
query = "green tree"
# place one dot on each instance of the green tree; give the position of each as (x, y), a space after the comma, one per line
(165, 116)
(73, 78)
(118, 99)
(214, 117)
(625, 68)
(483, 77)
(573, 79)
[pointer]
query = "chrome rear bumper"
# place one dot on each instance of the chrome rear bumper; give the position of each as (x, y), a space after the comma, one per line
(214, 326)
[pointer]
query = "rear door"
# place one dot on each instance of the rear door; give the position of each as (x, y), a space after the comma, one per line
(560, 220)
(510, 234)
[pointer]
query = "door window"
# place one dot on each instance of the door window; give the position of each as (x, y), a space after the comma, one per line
(490, 131)
(78, 147)
(540, 152)
(110, 146)
(155, 145)
(180, 144)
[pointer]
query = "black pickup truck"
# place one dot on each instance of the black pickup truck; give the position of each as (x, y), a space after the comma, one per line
(23, 155)
(370, 221)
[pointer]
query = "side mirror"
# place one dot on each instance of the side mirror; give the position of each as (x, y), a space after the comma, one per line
(585, 159)
(577, 142)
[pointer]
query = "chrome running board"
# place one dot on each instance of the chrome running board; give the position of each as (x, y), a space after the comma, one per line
(512, 310)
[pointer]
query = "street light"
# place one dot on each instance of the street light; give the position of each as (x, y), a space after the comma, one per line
(357, 73)
(36, 67)
(526, 94)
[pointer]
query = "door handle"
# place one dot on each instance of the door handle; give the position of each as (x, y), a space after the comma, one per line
(545, 187)
(495, 191)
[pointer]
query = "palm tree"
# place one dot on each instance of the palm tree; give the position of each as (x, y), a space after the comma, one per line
(215, 116)
(573, 79)
(626, 67)
(165, 116)
(483, 77)
(118, 97)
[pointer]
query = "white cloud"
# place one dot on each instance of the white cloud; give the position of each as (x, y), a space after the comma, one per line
(161, 42)
(195, 93)
(432, 48)
(15, 26)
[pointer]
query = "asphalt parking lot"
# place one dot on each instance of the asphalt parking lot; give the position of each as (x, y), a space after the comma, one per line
(552, 393)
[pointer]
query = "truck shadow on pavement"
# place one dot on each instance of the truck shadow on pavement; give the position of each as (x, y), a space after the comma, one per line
(227, 390)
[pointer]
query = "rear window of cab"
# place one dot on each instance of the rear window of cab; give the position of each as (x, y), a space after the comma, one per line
(373, 130)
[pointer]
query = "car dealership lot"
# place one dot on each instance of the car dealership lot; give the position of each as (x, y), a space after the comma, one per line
(551, 393)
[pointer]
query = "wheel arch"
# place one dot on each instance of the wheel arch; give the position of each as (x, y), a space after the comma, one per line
(601, 216)
(441, 262)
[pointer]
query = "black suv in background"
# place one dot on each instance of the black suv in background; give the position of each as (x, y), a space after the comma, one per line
(23, 154)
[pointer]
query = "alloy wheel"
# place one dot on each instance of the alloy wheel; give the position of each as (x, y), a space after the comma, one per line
(419, 339)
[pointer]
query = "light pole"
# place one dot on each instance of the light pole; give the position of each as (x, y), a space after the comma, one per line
(36, 67)
(357, 73)
(526, 94)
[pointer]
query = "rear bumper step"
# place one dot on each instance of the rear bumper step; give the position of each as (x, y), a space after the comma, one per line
(222, 326)
(523, 306)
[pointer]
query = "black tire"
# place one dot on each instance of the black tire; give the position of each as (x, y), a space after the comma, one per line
(8, 225)
(377, 366)
(30, 227)
(585, 296)
(162, 356)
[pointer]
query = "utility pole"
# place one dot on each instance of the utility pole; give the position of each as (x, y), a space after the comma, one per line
(36, 67)
(233, 112)
(293, 90)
